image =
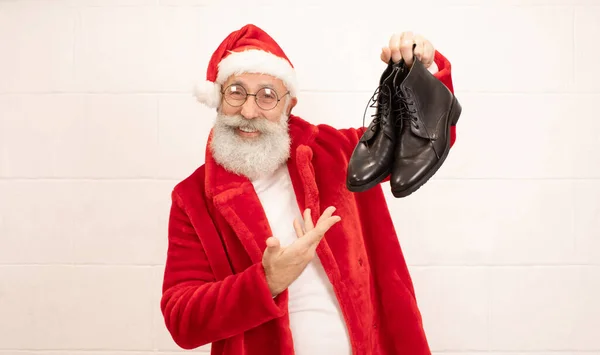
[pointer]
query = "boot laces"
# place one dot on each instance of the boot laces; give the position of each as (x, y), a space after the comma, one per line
(379, 101)
(407, 112)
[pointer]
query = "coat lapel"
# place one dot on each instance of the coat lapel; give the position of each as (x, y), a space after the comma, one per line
(236, 201)
(302, 174)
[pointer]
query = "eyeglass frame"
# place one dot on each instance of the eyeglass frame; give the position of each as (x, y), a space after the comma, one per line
(255, 98)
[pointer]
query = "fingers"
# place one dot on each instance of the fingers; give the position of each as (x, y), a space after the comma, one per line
(326, 214)
(298, 228)
(308, 223)
(386, 54)
(429, 54)
(313, 234)
(325, 222)
(311, 238)
(406, 47)
(394, 47)
(420, 47)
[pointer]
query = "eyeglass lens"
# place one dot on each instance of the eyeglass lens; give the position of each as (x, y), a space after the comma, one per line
(236, 95)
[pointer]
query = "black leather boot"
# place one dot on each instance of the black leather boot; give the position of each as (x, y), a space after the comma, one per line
(371, 160)
(426, 109)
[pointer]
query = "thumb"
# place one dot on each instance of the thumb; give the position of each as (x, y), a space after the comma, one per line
(386, 54)
(273, 246)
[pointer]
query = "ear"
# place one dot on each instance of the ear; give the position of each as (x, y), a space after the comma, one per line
(293, 102)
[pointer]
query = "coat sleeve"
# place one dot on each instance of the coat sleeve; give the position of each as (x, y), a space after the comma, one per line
(197, 308)
(443, 73)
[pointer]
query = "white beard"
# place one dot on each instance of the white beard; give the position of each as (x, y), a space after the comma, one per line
(251, 157)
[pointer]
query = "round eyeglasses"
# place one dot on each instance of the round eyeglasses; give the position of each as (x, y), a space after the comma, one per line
(266, 98)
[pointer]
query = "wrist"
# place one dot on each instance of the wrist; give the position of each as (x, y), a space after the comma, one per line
(433, 68)
(269, 282)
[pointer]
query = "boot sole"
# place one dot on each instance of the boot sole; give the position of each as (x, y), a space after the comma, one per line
(455, 112)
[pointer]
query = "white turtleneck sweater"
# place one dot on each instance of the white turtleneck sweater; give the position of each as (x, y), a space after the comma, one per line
(316, 321)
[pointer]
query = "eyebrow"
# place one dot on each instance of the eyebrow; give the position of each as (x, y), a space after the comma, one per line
(261, 85)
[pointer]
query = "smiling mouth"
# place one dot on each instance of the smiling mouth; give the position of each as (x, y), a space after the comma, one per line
(247, 132)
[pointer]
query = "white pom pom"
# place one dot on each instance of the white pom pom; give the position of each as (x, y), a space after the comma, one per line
(208, 93)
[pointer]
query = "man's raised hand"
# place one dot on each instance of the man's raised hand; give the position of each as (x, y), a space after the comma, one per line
(283, 265)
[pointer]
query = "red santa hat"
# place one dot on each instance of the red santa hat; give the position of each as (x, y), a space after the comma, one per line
(247, 50)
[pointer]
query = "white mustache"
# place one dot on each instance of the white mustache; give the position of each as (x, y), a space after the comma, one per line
(256, 157)
(260, 124)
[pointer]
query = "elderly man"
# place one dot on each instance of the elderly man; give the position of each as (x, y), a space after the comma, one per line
(269, 250)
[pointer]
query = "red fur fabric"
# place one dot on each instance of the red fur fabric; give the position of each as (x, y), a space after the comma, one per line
(214, 287)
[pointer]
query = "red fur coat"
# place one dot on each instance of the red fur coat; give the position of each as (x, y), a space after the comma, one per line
(214, 287)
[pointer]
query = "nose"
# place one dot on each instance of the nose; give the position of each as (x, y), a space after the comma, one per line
(250, 109)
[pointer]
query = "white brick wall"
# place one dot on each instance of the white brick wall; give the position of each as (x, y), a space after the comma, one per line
(97, 124)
